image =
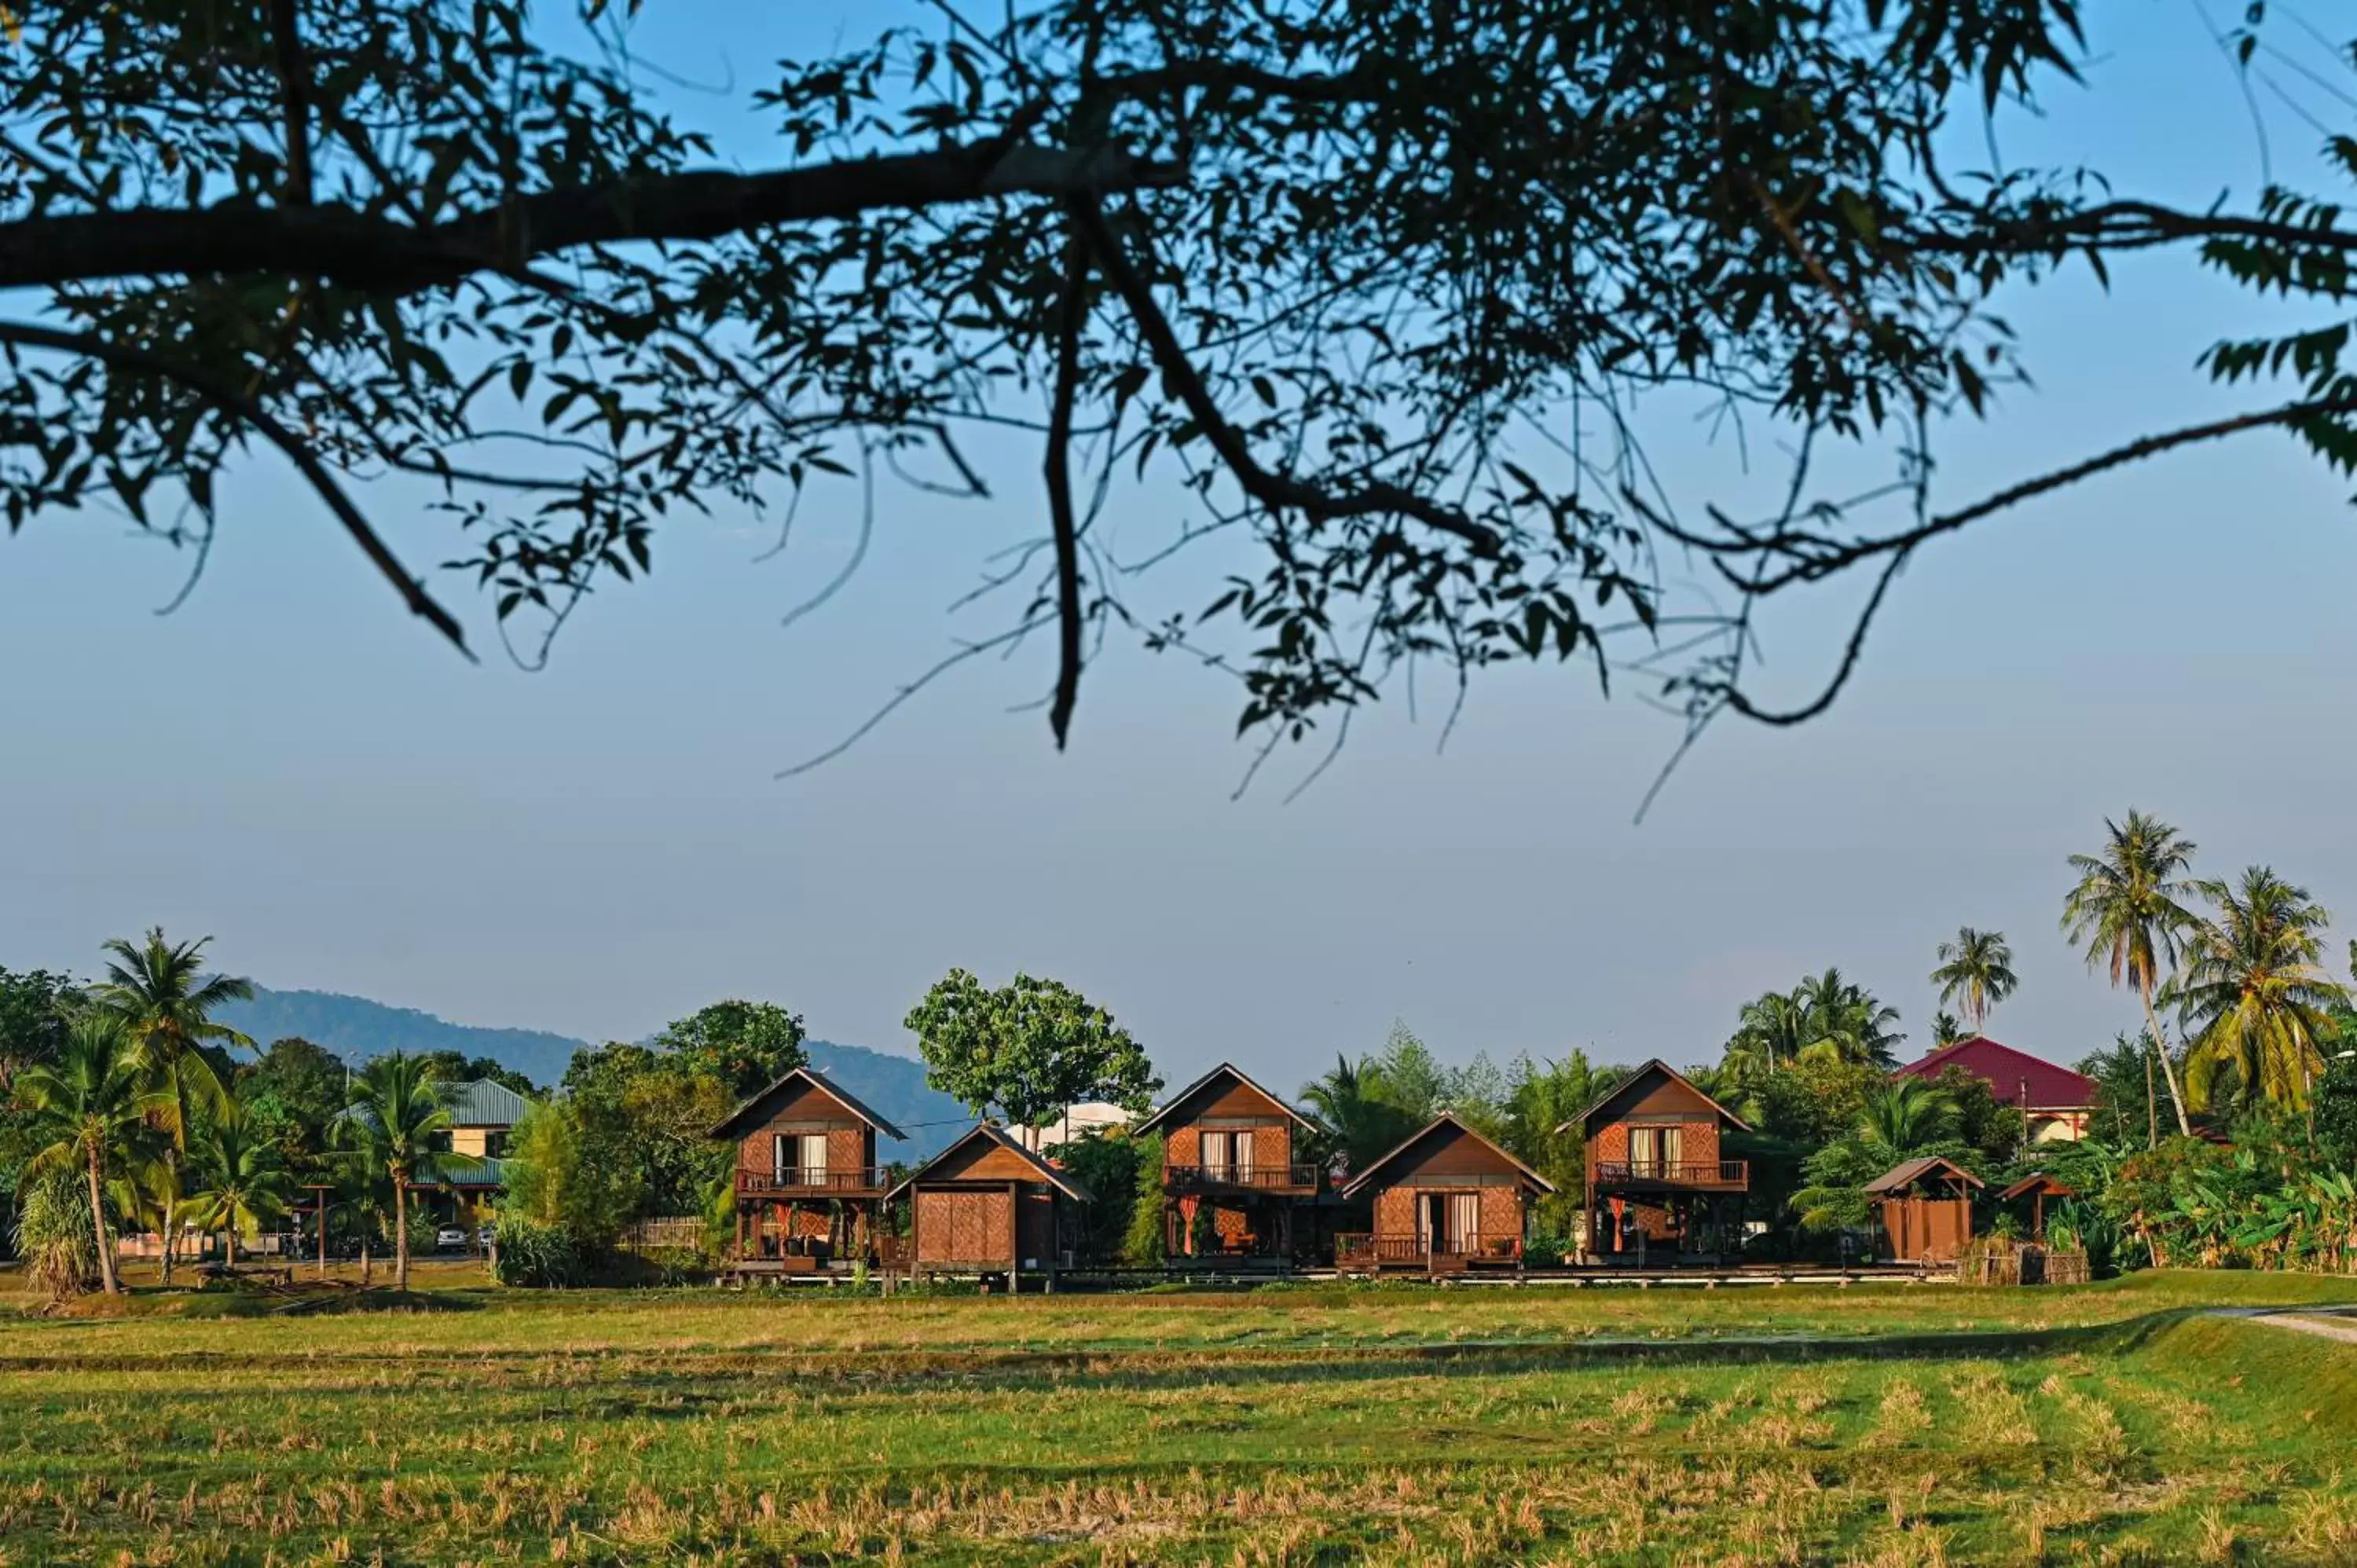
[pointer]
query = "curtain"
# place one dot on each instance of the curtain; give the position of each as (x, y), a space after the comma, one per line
(1465, 1222)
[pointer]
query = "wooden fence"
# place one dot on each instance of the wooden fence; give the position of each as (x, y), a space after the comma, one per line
(665, 1232)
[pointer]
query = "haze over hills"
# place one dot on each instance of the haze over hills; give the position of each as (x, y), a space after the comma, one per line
(356, 1028)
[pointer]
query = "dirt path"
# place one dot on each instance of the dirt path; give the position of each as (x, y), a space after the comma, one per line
(2328, 1323)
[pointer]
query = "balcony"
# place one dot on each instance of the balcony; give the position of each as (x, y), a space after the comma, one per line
(859, 1181)
(1674, 1175)
(1240, 1178)
(1359, 1251)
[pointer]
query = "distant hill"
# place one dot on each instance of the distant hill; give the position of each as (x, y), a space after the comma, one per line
(356, 1028)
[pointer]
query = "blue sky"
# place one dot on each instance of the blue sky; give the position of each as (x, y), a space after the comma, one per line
(290, 764)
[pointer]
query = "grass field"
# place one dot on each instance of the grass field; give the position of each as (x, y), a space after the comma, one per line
(1890, 1424)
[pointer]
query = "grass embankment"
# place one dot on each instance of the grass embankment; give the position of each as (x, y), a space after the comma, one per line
(1886, 1425)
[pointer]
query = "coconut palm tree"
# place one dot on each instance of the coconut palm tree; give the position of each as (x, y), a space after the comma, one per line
(2127, 912)
(88, 1110)
(1768, 1032)
(1906, 1114)
(246, 1180)
(1842, 1020)
(2253, 995)
(400, 1115)
(1976, 973)
(1946, 1031)
(160, 990)
(1349, 1101)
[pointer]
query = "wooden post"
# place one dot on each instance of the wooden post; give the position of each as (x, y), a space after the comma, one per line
(1014, 1236)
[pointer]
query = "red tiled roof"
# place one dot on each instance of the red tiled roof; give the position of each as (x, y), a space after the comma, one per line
(2006, 1071)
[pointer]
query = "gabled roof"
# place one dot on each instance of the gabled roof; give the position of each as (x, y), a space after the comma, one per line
(2006, 1073)
(485, 1103)
(1655, 1065)
(733, 1124)
(2037, 1181)
(1231, 1070)
(1446, 1119)
(1907, 1173)
(1062, 1181)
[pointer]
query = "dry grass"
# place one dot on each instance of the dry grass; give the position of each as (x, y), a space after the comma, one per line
(1289, 1427)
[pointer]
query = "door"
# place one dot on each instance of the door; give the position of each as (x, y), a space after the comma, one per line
(799, 1159)
(1464, 1222)
(1432, 1221)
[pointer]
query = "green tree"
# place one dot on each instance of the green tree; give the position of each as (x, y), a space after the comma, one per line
(1769, 1032)
(1946, 1030)
(246, 1184)
(403, 1125)
(644, 1117)
(89, 1112)
(33, 1009)
(2253, 995)
(2123, 1097)
(1841, 1019)
(747, 1045)
(165, 999)
(554, 1179)
(1974, 973)
(1141, 1243)
(1907, 1115)
(1110, 1165)
(53, 1236)
(293, 1094)
(1540, 1097)
(1349, 1103)
(454, 1068)
(1030, 1049)
(2127, 910)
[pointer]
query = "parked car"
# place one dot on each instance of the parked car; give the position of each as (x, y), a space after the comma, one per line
(485, 1236)
(449, 1238)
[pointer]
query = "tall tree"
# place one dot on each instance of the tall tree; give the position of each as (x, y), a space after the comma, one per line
(1031, 1047)
(165, 999)
(1842, 1019)
(245, 1182)
(402, 1121)
(1363, 1123)
(1324, 263)
(1974, 973)
(748, 1045)
(2254, 993)
(1771, 1032)
(2127, 909)
(89, 1109)
(1946, 1030)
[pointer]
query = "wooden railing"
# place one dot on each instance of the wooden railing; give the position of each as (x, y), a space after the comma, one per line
(1360, 1249)
(1673, 1172)
(805, 1181)
(1191, 1178)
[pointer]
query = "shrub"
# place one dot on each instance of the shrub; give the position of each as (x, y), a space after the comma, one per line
(54, 1236)
(1545, 1249)
(536, 1256)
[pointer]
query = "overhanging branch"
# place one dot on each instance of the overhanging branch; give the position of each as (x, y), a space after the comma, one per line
(359, 250)
(236, 404)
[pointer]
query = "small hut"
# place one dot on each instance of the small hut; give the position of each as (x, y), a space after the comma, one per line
(1927, 1209)
(988, 1205)
(2037, 1186)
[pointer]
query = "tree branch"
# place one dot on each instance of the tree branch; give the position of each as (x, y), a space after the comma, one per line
(361, 251)
(1071, 315)
(231, 401)
(294, 87)
(1276, 491)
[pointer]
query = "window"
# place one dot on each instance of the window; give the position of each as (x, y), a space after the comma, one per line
(1227, 1156)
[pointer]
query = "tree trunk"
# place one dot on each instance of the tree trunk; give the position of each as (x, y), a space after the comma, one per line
(2151, 1106)
(98, 1231)
(400, 1233)
(228, 1241)
(367, 1273)
(2168, 1069)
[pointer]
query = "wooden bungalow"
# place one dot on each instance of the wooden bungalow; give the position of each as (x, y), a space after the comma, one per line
(809, 1186)
(1926, 1207)
(1230, 1184)
(1447, 1201)
(988, 1205)
(1656, 1181)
